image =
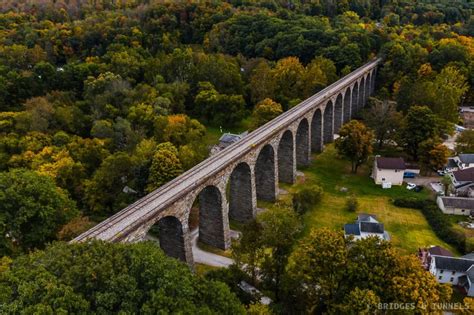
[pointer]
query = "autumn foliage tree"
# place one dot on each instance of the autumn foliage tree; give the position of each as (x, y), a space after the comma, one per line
(330, 273)
(355, 143)
(265, 111)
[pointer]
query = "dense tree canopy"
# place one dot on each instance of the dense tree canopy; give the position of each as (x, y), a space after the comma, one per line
(88, 88)
(104, 278)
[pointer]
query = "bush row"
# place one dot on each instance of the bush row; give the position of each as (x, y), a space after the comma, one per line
(442, 227)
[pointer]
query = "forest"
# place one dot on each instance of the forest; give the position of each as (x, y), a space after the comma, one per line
(103, 101)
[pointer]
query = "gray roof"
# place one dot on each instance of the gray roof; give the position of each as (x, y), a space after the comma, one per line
(458, 202)
(390, 163)
(364, 217)
(370, 227)
(466, 158)
(453, 263)
(351, 229)
(469, 256)
(466, 175)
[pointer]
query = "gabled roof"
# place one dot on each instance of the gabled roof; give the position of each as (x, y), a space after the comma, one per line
(364, 217)
(371, 227)
(466, 158)
(390, 163)
(351, 229)
(453, 263)
(466, 175)
(458, 202)
(439, 251)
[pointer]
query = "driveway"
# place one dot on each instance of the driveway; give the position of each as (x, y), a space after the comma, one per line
(423, 180)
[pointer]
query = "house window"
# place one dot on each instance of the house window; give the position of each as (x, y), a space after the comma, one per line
(383, 179)
(439, 278)
(441, 271)
(454, 272)
(452, 279)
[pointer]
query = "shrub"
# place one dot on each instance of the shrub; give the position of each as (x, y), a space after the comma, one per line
(307, 198)
(410, 202)
(352, 204)
(442, 227)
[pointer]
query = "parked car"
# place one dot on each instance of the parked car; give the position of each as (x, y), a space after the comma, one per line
(411, 186)
(418, 188)
(409, 175)
(441, 172)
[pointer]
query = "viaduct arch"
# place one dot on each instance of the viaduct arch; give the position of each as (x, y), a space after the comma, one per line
(251, 169)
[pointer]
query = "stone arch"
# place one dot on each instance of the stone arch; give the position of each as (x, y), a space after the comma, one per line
(347, 106)
(241, 206)
(328, 128)
(372, 85)
(338, 113)
(265, 174)
(317, 131)
(170, 234)
(361, 94)
(367, 88)
(286, 158)
(355, 99)
(211, 217)
(302, 143)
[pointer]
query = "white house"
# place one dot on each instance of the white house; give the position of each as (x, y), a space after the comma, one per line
(454, 270)
(366, 225)
(456, 205)
(388, 170)
(462, 178)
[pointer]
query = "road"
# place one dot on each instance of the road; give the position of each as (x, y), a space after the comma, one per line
(207, 258)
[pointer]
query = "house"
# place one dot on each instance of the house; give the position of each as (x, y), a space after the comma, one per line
(388, 171)
(226, 140)
(229, 138)
(454, 270)
(456, 205)
(366, 225)
(462, 178)
(464, 161)
(425, 254)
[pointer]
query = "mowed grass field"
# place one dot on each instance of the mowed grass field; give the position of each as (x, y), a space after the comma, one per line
(408, 228)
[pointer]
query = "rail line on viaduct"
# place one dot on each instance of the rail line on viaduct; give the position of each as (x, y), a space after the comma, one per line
(229, 183)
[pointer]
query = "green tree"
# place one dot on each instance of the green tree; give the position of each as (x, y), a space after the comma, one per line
(316, 270)
(280, 228)
(104, 192)
(164, 167)
(219, 109)
(420, 124)
(352, 204)
(104, 278)
(306, 198)
(465, 142)
(383, 119)
(355, 143)
(265, 111)
(32, 210)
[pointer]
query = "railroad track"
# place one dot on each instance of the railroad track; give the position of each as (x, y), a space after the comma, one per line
(226, 156)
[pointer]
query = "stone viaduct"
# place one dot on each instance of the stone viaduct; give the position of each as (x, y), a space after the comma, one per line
(228, 184)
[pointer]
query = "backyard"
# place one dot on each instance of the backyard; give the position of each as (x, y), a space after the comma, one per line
(408, 228)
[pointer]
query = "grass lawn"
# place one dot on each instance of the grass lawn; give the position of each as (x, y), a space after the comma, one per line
(408, 228)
